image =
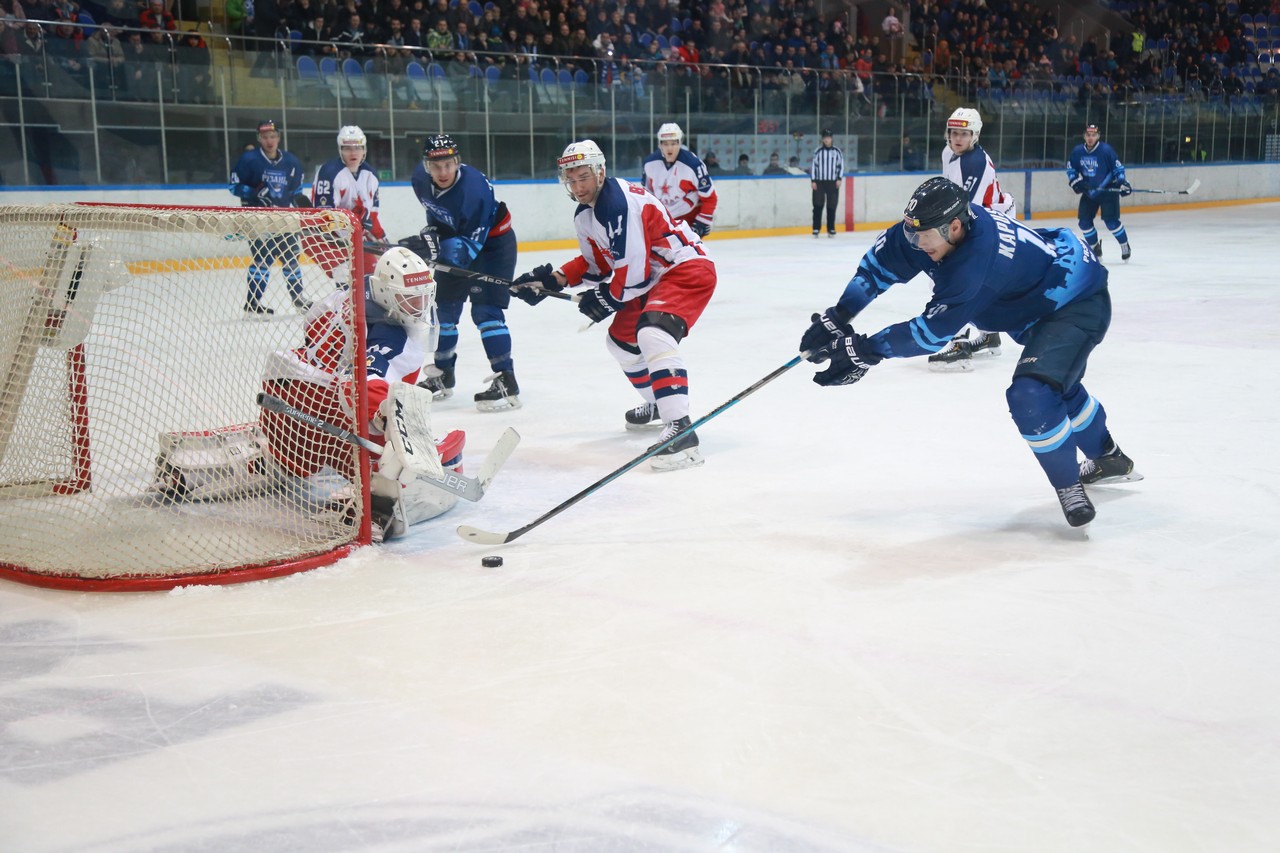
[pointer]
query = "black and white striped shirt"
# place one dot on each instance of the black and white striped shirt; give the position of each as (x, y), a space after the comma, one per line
(828, 164)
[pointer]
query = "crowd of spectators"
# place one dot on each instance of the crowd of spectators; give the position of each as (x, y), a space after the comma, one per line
(724, 51)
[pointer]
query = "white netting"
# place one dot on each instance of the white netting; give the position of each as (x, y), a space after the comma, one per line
(123, 327)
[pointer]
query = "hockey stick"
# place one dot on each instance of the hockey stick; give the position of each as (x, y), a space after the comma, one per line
(484, 537)
(1195, 185)
(467, 488)
(498, 280)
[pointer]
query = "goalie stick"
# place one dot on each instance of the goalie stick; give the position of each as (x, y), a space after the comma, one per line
(484, 537)
(467, 488)
(1195, 185)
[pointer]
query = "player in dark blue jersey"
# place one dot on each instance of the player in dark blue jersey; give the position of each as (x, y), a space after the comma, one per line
(269, 176)
(467, 227)
(1043, 287)
(1097, 175)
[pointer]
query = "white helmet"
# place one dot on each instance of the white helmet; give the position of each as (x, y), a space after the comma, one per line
(351, 135)
(584, 153)
(670, 132)
(403, 284)
(965, 118)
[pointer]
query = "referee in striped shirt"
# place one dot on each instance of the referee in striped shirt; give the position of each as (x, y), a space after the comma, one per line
(825, 175)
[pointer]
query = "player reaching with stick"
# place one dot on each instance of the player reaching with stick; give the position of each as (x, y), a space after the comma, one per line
(1041, 286)
(651, 274)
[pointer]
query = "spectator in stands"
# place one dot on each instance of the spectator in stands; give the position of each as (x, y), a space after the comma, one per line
(195, 73)
(106, 53)
(154, 17)
(775, 165)
(744, 165)
(439, 39)
(351, 39)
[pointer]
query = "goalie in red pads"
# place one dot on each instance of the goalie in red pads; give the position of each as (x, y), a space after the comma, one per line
(400, 330)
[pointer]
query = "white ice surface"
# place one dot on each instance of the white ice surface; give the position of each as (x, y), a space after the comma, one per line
(862, 625)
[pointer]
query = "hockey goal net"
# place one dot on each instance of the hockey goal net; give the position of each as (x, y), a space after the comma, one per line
(132, 448)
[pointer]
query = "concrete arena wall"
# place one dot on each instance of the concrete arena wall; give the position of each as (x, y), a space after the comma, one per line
(748, 206)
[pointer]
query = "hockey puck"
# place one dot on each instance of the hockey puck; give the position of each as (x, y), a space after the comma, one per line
(491, 562)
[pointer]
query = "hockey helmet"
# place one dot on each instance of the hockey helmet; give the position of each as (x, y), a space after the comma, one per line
(933, 205)
(351, 136)
(670, 132)
(965, 118)
(584, 153)
(266, 125)
(405, 287)
(440, 146)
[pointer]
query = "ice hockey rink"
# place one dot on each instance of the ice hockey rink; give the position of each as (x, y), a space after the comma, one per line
(863, 625)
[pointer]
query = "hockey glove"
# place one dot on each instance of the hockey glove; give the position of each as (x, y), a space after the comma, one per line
(531, 286)
(850, 361)
(1125, 189)
(263, 197)
(1079, 185)
(700, 228)
(597, 304)
(430, 243)
(827, 330)
(300, 200)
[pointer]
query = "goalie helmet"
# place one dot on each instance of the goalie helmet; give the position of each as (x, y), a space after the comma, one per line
(934, 204)
(670, 132)
(584, 153)
(965, 118)
(404, 286)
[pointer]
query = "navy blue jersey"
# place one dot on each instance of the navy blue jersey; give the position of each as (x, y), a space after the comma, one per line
(1100, 167)
(281, 177)
(464, 214)
(1004, 277)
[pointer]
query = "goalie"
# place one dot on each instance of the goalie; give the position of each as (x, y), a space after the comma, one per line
(400, 332)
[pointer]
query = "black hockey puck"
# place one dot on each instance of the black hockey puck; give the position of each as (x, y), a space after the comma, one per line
(491, 562)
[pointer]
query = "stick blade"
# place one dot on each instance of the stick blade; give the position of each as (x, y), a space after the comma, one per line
(502, 450)
(1195, 185)
(482, 537)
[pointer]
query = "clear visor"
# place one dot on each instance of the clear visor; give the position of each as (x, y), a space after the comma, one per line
(913, 235)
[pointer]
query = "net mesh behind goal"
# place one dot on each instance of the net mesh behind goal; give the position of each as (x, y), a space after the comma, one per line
(133, 454)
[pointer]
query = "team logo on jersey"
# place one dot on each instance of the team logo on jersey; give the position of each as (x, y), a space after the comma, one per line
(614, 229)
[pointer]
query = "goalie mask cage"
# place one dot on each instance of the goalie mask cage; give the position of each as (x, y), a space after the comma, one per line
(127, 364)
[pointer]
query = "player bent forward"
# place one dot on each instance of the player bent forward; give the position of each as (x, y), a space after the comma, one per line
(635, 258)
(1041, 286)
(400, 327)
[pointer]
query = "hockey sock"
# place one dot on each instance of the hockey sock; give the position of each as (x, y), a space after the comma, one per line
(447, 345)
(666, 372)
(1041, 416)
(1088, 233)
(1119, 233)
(633, 367)
(257, 283)
(1088, 422)
(293, 279)
(494, 335)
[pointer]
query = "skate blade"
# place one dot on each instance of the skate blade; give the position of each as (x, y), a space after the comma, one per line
(990, 352)
(442, 395)
(643, 427)
(1131, 477)
(951, 366)
(690, 458)
(498, 405)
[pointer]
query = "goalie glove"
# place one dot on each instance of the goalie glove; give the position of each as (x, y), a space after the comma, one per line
(410, 448)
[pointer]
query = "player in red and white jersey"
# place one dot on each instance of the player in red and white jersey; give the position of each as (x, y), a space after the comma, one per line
(967, 165)
(349, 183)
(651, 274)
(678, 179)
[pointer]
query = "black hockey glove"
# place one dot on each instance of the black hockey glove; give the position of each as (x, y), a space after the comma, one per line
(702, 229)
(827, 330)
(1125, 189)
(264, 196)
(850, 361)
(430, 243)
(1079, 185)
(532, 286)
(597, 304)
(300, 200)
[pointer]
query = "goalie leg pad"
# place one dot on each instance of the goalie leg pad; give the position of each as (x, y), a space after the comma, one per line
(216, 464)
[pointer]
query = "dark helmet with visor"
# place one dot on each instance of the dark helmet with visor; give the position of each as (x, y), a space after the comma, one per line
(933, 205)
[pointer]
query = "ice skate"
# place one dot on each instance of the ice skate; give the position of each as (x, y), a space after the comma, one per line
(644, 417)
(1111, 467)
(954, 357)
(438, 380)
(1125, 252)
(1076, 505)
(255, 309)
(502, 393)
(985, 345)
(302, 303)
(1097, 249)
(681, 453)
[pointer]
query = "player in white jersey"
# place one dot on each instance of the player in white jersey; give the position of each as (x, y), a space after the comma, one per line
(349, 183)
(680, 180)
(967, 165)
(652, 271)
